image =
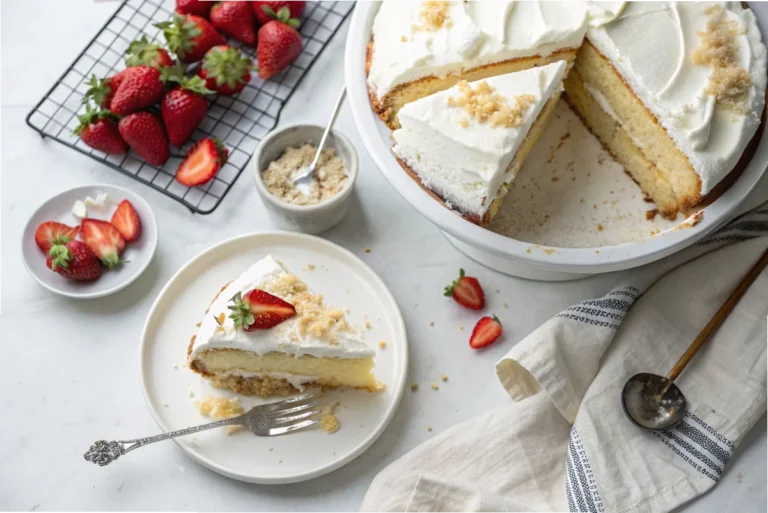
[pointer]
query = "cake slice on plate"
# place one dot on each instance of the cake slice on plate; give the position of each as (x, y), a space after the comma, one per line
(266, 333)
(466, 144)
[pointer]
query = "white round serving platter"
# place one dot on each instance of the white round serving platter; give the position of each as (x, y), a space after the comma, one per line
(171, 389)
(137, 254)
(506, 254)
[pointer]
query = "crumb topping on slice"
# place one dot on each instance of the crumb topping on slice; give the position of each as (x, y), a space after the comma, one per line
(729, 82)
(433, 16)
(485, 105)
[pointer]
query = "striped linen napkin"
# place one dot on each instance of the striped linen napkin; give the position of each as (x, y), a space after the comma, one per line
(563, 443)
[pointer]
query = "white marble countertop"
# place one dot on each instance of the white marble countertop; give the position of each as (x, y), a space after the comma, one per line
(70, 373)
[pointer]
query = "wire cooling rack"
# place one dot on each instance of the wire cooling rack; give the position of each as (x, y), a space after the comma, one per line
(240, 121)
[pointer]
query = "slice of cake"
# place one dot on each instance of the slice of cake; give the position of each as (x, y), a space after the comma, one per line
(266, 333)
(675, 91)
(465, 145)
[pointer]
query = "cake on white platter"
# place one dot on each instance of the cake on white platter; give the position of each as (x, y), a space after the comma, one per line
(675, 91)
(267, 333)
(466, 144)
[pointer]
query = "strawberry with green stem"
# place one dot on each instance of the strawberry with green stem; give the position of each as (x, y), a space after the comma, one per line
(98, 129)
(486, 332)
(102, 90)
(264, 10)
(226, 70)
(190, 36)
(259, 310)
(279, 44)
(235, 19)
(143, 52)
(141, 88)
(73, 260)
(184, 107)
(104, 240)
(49, 231)
(467, 292)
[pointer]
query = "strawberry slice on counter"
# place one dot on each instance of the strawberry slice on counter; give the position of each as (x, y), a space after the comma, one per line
(184, 107)
(259, 310)
(127, 221)
(279, 44)
(236, 19)
(226, 70)
(486, 332)
(74, 260)
(144, 133)
(98, 129)
(190, 36)
(140, 88)
(264, 10)
(467, 292)
(50, 231)
(104, 240)
(196, 7)
(143, 52)
(202, 162)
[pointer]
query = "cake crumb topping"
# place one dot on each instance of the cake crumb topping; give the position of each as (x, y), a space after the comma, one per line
(414, 385)
(433, 16)
(220, 408)
(729, 83)
(485, 105)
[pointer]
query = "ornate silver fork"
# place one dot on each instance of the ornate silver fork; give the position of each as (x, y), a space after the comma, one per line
(270, 419)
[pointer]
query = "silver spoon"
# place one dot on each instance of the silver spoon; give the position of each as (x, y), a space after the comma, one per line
(654, 402)
(303, 177)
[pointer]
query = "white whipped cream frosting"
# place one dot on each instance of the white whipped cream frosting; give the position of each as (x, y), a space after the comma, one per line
(479, 33)
(468, 164)
(650, 44)
(277, 339)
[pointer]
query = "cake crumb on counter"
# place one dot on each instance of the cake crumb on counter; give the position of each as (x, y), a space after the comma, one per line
(429, 428)
(443, 376)
(367, 250)
(414, 385)
(434, 386)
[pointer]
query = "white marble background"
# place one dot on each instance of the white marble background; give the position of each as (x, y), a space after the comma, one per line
(70, 368)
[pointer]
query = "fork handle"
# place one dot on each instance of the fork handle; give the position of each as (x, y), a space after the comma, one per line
(103, 453)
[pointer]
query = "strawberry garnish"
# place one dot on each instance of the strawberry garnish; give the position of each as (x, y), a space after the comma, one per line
(226, 70)
(184, 107)
(142, 52)
(74, 260)
(190, 36)
(259, 310)
(50, 231)
(127, 221)
(202, 162)
(104, 240)
(264, 10)
(235, 19)
(467, 292)
(486, 332)
(139, 89)
(279, 44)
(98, 129)
(145, 134)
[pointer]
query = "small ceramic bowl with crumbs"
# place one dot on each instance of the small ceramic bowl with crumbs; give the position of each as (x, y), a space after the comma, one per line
(280, 155)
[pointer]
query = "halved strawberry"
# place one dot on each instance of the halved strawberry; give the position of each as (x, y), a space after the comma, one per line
(202, 162)
(127, 221)
(104, 240)
(259, 310)
(51, 231)
(486, 332)
(466, 291)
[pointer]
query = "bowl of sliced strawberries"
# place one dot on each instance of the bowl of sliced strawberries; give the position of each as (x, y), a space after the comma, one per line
(90, 241)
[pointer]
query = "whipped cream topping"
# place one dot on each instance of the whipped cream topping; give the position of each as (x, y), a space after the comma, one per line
(286, 337)
(651, 44)
(474, 34)
(461, 158)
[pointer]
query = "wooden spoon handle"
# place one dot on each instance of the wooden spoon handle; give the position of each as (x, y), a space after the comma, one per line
(719, 317)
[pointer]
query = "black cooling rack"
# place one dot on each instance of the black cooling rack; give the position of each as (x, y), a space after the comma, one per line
(241, 121)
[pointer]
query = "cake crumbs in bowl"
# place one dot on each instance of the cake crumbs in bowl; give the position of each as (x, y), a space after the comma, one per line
(329, 176)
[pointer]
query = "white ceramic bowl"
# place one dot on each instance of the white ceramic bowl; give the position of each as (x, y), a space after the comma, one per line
(137, 254)
(503, 253)
(304, 218)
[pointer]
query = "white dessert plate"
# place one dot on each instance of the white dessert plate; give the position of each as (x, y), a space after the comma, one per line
(568, 232)
(137, 254)
(172, 390)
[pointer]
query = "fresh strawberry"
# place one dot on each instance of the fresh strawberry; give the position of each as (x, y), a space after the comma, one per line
(279, 44)
(145, 134)
(235, 19)
(466, 291)
(265, 10)
(142, 52)
(486, 332)
(190, 36)
(139, 89)
(226, 70)
(127, 221)
(196, 7)
(74, 260)
(104, 240)
(50, 231)
(202, 162)
(259, 310)
(184, 107)
(98, 129)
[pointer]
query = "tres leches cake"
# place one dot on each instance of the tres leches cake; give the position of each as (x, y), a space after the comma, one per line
(239, 346)
(466, 144)
(675, 91)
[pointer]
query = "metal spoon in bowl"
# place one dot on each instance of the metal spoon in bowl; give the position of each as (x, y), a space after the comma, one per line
(654, 402)
(303, 177)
